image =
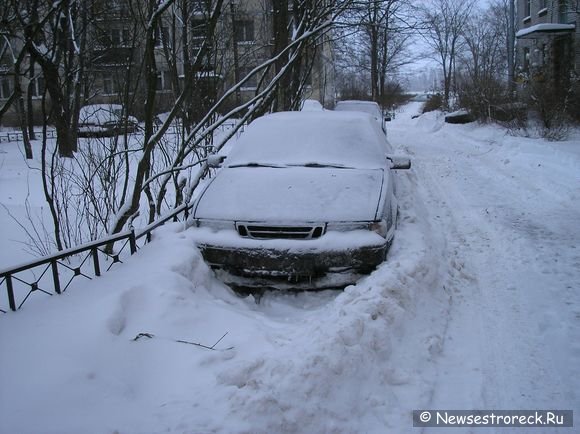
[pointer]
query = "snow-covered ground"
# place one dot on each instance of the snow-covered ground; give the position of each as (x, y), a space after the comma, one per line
(477, 307)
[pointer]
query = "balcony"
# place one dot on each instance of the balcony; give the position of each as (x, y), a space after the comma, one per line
(545, 30)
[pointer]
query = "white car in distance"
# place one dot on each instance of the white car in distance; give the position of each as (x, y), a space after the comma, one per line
(105, 120)
(370, 107)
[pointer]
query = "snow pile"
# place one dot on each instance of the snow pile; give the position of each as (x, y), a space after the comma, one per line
(299, 363)
(21, 197)
(475, 308)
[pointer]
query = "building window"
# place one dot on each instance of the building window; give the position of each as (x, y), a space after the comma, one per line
(526, 59)
(527, 8)
(163, 81)
(244, 30)
(161, 36)
(119, 7)
(252, 81)
(110, 86)
(198, 32)
(200, 7)
(563, 10)
(5, 86)
(544, 54)
(37, 86)
(543, 4)
(116, 37)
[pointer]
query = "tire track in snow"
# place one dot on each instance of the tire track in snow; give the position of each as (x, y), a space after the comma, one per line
(459, 377)
(515, 306)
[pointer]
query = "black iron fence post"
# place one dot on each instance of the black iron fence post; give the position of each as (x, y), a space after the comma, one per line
(95, 253)
(55, 276)
(10, 291)
(132, 242)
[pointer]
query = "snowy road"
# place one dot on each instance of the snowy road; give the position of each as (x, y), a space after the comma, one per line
(509, 213)
(477, 307)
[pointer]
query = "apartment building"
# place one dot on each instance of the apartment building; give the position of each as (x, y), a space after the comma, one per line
(548, 39)
(114, 48)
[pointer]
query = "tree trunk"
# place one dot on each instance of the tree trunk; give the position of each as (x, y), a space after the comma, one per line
(21, 109)
(144, 166)
(48, 181)
(281, 38)
(510, 47)
(374, 40)
(30, 107)
(59, 111)
(22, 115)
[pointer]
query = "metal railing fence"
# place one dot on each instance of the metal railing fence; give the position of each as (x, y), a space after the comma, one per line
(54, 274)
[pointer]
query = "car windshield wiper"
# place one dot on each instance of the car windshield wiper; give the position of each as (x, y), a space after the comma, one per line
(254, 164)
(279, 166)
(322, 165)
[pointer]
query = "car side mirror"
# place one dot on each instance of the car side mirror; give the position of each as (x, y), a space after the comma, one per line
(214, 160)
(398, 162)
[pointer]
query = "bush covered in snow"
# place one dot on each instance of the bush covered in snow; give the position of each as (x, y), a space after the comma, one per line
(435, 102)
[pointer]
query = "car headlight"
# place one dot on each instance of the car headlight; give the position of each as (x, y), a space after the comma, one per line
(215, 225)
(347, 226)
(380, 227)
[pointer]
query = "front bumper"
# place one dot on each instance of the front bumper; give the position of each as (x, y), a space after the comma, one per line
(336, 259)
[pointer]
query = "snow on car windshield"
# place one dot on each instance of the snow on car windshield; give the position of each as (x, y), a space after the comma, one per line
(369, 107)
(313, 139)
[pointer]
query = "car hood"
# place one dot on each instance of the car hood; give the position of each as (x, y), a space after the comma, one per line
(292, 194)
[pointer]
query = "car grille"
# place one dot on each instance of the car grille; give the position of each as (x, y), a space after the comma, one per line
(306, 232)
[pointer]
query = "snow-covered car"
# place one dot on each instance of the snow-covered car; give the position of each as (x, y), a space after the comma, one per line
(304, 200)
(370, 107)
(311, 105)
(104, 120)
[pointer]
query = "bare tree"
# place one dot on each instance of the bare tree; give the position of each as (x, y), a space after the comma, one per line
(316, 19)
(444, 24)
(103, 192)
(53, 36)
(16, 97)
(484, 62)
(12, 58)
(375, 40)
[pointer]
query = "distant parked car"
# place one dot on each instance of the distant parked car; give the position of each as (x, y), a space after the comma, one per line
(459, 117)
(370, 107)
(311, 105)
(104, 120)
(304, 200)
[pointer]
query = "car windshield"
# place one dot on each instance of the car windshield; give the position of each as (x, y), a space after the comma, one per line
(315, 139)
(369, 107)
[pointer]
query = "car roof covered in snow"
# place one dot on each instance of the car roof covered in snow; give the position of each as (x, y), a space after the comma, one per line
(311, 138)
(311, 105)
(100, 113)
